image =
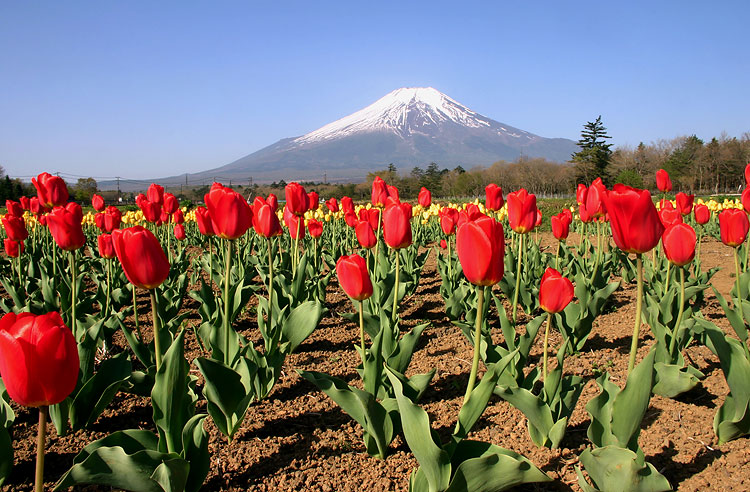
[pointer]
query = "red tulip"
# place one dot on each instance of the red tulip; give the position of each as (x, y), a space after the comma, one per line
(178, 217)
(392, 194)
(142, 257)
(662, 181)
(353, 277)
(555, 291)
(51, 190)
(448, 220)
(112, 218)
(106, 246)
(494, 197)
(99, 221)
(521, 211)
(15, 228)
(25, 202)
(745, 198)
(560, 226)
(583, 213)
(315, 228)
(425, 197)
(230, 213)
(170, 203)
(679, 242)
(371, 215)
(481, 249)
(702, 213)
(538, 221)
(14, 208)
(443, 244)
(155, 193)
(595, 199)
(347, 205)
(733, 226)
(151, 210)
(397, 225)
(296, 198)
(179, 232)
(665, 204)
(747, 174)
(38, 358)
(635, 223)
(365, 234)
(65, 225)
(295, 223)
(670, 216)
(581, 193)
(14, 249)
(266, 221)
(313, 201)
(684, 203)
(470, 213)
(333, 205)
(36, 207)
(163, 217)
(568, 215)
(97, 201)
(273, 202)
(351, 219)
(379, 192)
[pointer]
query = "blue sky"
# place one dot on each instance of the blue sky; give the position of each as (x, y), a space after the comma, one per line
(148, 89)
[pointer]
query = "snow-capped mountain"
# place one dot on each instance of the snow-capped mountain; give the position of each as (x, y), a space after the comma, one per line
(407, 127)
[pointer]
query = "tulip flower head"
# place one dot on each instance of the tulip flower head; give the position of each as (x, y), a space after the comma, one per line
(97, 201)
(142, 258)
(347, 204)
(353, 276)
(733, 227)
(273, 201)
(112, 218)
(555, 291)
(424, 198)
(296, 198)
(662, 181)
(684, 203)
(560, 226)
(636, 227)
(522, 211)
(379, 192)
(14, 249)
(231, 216)
(313, 201)
(25, 202)
(51, 190)
(448, 220)
(397, 225)
(745, 200)
(14, 208)
(493, 197)
(315, 228)
(581, 194)
(702, 213)
(669, 216)
(481, 250)
(179, 232)
(15, 227)
(266, 222)
(65, 226)
(679, 242)
(155, 193)
(106, 246)
(443, 244)
(170, 205)
(595, 199)
(365, 234)
(38, 358)
(332, 205)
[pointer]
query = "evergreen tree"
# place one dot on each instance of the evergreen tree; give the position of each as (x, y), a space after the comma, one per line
(593, 160)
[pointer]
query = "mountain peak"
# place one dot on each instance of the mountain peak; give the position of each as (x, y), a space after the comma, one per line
(405, 112)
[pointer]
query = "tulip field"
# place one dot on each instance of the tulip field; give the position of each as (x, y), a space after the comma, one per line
(300, 343)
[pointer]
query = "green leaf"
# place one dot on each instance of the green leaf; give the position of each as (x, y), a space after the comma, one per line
(96, 393)
(195, 451)
(484, 467)
(673, 380)
(613, 468)
(228, 396)
(433, 460)
(301, 322)
(631, 403)
(171, 475)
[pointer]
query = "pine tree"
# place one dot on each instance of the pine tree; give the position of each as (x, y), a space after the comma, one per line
(593, 160)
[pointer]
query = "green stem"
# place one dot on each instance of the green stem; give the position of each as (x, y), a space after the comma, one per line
(450, 260)
(666, 284)
(377, 238)
(597, 257)
(270, 283)
(557, 256)
(638, 306)
(362, 332)
(157, 328)
(737, 270)
(676, 330)
(227, 321)
(109, 286)
(211, 264)
(700, 238)
(73, 293)
(296, 247)
(477, 337)
(394, 314)
(41, 438)
(546, 339)
(747, 250)
(518, 277)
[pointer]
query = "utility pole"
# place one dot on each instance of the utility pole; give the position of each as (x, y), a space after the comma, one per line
(118, 189)
(325, 178)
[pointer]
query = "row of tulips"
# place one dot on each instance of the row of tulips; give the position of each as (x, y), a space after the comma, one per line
(236, 374)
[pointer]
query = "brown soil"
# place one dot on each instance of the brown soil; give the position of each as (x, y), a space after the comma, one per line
(298, 439)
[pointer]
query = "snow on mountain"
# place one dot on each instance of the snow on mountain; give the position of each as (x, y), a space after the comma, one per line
(405, 112)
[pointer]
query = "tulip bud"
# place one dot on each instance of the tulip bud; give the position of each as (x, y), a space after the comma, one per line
(38, 358)
(443, 244)
(555, 291)
(353, 277)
